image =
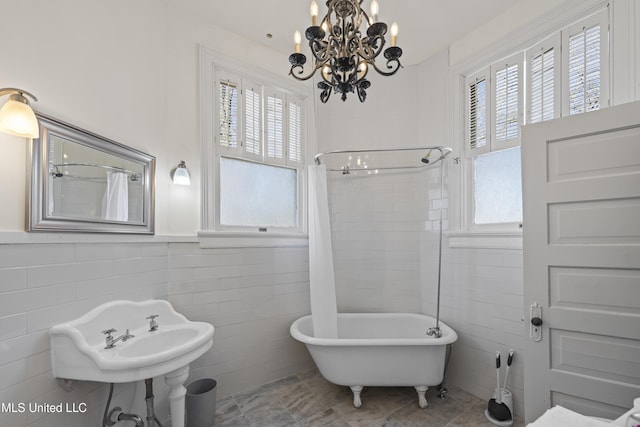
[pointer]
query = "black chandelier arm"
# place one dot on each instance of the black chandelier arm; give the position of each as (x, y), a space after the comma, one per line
(377, 43)
(370, 50)
(392, 64)
(320, 49)
(298, 69)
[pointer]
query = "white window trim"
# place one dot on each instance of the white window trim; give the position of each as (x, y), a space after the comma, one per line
(227, 240)
(211, 64)
(460, 235)
(485, 240)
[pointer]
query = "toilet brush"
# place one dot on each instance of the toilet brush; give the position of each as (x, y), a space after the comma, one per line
(506, 374)
(498, 410)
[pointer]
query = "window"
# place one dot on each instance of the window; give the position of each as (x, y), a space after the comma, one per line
(258, 183)
(256, 170)
(257, 195)
(566, 73)
(498, 192)
(493, 129)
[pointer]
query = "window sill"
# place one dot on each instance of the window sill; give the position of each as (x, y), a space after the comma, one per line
(486, 240)
(226, 240)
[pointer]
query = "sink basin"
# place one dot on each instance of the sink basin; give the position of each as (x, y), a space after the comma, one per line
(78, 347)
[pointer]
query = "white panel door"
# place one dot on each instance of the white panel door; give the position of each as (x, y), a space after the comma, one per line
(581, 190)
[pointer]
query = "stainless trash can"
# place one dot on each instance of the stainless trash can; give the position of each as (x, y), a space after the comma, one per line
(200, 403)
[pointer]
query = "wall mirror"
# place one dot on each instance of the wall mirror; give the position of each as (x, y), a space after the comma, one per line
(83, 182)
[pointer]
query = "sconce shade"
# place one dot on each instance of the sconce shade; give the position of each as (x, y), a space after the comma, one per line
(16, 116)
(180, 175)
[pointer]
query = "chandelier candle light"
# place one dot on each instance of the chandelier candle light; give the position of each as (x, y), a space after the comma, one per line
(342, 54)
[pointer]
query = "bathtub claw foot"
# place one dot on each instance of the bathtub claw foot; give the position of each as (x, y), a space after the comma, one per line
(357, 402)
(422, 399)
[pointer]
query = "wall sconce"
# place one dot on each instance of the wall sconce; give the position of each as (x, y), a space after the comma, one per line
(16, 116)
(180, 175)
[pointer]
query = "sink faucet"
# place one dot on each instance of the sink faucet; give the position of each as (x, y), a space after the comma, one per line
(153, 325)
(110, 342)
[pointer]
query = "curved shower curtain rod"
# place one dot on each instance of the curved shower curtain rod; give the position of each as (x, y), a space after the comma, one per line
(444, 152)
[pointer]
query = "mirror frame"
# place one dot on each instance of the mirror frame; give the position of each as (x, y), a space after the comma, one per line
(40, 220)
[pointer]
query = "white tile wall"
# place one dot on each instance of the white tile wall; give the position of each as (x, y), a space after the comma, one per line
(377, 240)
(482, 299)
(251, 296)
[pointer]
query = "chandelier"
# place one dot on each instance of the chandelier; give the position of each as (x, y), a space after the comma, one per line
(345, 46)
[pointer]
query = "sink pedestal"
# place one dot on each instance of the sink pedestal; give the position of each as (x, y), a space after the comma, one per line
(175, 380)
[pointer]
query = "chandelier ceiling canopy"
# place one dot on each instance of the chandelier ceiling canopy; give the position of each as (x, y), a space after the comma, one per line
(345, 45)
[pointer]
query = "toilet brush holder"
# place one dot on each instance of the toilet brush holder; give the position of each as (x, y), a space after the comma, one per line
(500, 410)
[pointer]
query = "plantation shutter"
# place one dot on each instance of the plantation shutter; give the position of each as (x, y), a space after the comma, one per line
(586, 57)
(274, 143)
(253, 121)
(295, 133)
(584, 71)
(228, 90)
(477, 110)
(544, 80)
(507, 101)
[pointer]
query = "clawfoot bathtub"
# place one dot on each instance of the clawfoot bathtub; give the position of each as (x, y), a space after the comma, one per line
(379, 349)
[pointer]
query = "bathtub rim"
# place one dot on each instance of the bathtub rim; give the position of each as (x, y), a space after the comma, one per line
(449, 336)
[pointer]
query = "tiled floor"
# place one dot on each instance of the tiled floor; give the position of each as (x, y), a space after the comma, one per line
(307, 399)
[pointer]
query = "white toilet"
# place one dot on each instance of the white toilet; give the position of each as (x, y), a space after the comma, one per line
(559, 416)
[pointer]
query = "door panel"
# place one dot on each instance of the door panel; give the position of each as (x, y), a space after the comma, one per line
(581, 196)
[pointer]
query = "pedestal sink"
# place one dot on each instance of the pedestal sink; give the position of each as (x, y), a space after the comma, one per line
(78, 347)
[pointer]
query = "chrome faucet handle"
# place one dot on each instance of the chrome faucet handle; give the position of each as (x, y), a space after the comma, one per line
(109, 342)
(153, 325)
(434, 332)
(108, 332)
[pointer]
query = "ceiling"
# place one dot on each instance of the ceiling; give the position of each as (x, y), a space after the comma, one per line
(426, 26)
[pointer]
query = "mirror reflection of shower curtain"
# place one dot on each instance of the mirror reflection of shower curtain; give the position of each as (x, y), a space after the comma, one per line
(115, 202)
(51, 195)
(322, 279)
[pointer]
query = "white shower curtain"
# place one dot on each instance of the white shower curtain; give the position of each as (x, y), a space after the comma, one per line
(324, 313)
(115, 202)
